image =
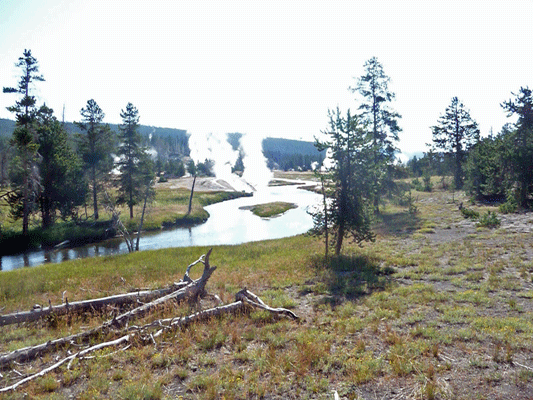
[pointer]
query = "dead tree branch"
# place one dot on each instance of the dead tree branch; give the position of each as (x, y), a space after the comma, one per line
(193, 290)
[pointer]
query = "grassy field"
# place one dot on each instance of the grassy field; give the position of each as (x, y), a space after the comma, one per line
(437, 307)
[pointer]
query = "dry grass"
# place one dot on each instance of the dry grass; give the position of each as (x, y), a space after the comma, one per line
(436, 308)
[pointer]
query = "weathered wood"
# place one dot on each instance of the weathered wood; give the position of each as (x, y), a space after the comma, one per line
(245, 299)
(88, 305)
(64, 360)
(248, 297)
(192, 290)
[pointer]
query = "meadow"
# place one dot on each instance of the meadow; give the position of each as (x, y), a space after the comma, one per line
(438, 307)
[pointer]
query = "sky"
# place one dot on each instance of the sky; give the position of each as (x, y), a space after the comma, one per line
(269, 68)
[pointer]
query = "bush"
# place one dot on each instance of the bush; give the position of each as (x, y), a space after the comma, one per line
(489, 220)
(469, 213)
(510, 206)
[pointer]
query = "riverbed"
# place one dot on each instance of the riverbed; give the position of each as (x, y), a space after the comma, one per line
(227, 225)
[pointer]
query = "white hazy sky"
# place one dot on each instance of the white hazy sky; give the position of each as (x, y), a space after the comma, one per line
(269, 68)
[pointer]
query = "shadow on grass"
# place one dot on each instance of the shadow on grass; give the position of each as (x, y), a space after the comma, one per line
(397, 224)
(348, 277)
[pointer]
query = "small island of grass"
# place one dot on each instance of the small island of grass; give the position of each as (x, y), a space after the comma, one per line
(268, 210)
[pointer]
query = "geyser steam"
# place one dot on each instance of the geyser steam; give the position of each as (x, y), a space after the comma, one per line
(215, 147)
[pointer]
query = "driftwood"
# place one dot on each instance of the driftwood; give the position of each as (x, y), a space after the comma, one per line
(244, 299)
(69, 358)
(88, 305)
(192, 289)
(96, 304)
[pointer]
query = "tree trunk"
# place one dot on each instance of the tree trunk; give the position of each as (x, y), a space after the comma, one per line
(95, 192)
(142, 217)
(340, 238)
(87, 305)
(190, 198)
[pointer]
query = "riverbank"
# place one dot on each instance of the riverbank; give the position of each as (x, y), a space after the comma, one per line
(167, 210)
(435, 308)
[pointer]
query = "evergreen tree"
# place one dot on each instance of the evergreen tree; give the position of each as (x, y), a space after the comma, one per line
(455, 134)
(488, 168)
(382, 120)
(521, 141)
(349, 170)
(61, 188)
(134, 165)
(95, 148)
(24, 139)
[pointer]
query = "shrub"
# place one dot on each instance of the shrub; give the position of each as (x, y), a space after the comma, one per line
(489, 220)
(508, 207)
(469, 213)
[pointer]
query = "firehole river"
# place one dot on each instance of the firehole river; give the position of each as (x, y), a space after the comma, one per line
(227, 225)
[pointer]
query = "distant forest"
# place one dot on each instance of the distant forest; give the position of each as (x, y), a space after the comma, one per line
(173, 144)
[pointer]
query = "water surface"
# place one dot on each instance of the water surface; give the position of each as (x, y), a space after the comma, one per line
(227, 224)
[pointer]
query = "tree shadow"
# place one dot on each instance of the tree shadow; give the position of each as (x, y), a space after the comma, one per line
(349, 277)
(397, 224)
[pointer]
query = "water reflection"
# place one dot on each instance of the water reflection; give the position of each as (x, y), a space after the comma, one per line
(227, 224)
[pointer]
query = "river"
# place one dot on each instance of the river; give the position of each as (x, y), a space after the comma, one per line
(227, 224)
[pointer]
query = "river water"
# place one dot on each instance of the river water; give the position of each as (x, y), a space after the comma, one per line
(227, 224)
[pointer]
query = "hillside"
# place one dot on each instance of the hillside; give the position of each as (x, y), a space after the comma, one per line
(281, 153)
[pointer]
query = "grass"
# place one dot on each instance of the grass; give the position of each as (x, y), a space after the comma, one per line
(433, 309)
(269, 210)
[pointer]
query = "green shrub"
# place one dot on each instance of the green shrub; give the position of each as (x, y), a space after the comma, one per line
(489, 220)
(469, 213)
(508, 207)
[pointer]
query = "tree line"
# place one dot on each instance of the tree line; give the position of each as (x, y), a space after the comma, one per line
(361, 167)
(52, 175)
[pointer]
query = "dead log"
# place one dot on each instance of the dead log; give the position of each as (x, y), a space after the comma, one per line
(69, 358)
(88, 305)
(192, 290)
(244, 300)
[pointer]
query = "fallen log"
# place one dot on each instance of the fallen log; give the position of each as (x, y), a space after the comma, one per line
(88, 305)
(191, 290)
(69, 358)
(244, 299)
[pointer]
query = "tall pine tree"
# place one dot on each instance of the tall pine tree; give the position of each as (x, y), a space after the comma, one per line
(382, 121)
(347, 169)
(24, 139)
(521, 141)
(134, 165)
(61, 188)
(95, 147)
(455, 134)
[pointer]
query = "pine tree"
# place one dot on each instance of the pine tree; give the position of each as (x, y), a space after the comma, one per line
(350, 158)
(455, 134)
(382, 121)
(134, 165)
(522, 142)
(24, 139)
(61, 189)
(95, 147)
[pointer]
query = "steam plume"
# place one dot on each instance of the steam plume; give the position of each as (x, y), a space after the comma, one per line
(215, 147)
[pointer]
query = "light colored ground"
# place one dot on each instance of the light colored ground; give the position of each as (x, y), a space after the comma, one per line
(203, 184)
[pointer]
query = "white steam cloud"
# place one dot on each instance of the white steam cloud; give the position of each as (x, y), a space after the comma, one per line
(256, 171)
(215, 147)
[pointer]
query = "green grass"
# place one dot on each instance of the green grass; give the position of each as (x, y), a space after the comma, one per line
(269, 210)
(411, 315)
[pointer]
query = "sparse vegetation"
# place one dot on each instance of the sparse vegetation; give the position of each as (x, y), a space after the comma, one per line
(415, 313)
